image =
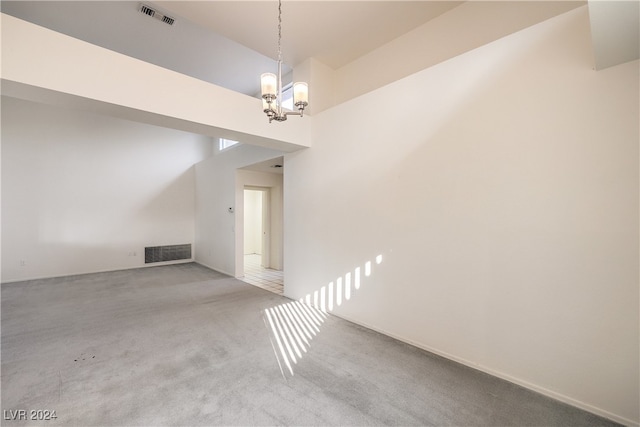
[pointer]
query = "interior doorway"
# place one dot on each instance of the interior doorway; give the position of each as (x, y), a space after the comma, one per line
(256, 225)
(260, 223)
(260, 267)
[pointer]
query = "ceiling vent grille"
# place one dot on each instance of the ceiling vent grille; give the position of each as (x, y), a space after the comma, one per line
(154, 13)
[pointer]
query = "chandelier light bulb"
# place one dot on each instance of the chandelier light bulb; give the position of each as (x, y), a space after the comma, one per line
(300, 94)
(268, 83)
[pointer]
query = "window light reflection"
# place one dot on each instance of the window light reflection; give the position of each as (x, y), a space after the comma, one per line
(347, 286)
(294, 324)
(331, 296)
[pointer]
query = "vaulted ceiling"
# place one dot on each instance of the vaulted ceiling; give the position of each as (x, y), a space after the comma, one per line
(334, 32)
(229, 43)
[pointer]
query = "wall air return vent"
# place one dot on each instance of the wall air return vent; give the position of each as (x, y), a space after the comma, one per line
(155, 13)
(166, 253)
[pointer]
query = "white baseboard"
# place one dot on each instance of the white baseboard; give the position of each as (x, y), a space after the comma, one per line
(204, 264)
(155, 264)
(546, 392)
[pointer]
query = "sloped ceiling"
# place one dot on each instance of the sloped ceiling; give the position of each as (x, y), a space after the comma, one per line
(615, 31)
(230, 43)
(118, 25)
(333, 32)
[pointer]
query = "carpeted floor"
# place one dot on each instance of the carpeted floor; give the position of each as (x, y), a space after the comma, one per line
(183, 345)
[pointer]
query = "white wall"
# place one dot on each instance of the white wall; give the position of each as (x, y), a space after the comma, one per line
(501, 189)
(218, 246)
(83, 192)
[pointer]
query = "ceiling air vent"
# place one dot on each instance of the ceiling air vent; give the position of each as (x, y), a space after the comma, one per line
(154, 13)
(168, 20)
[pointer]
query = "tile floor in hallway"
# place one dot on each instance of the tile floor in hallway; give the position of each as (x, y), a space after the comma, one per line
(265, 278)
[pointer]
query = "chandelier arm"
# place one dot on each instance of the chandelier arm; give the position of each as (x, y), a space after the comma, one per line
(300, 112)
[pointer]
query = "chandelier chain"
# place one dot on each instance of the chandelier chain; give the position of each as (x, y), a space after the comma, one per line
(279, 29)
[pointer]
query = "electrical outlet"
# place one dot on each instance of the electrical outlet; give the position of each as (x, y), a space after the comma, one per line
(23, 263)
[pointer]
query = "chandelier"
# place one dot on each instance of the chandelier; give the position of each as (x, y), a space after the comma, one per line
(271, 86)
